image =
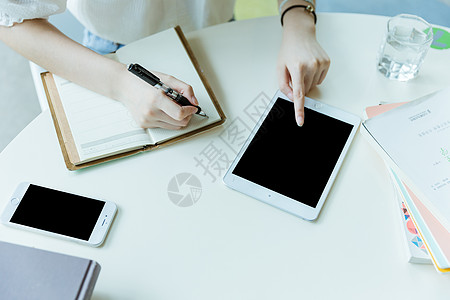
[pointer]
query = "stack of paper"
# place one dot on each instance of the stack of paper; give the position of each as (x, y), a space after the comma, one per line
(414, 141)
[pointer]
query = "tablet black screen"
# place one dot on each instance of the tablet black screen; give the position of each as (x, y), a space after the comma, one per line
(291, 160)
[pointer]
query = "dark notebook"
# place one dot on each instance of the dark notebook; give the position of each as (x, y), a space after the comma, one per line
(30, 273)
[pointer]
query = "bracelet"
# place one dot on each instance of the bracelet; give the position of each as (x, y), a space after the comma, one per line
(280, 8)
(308, 8)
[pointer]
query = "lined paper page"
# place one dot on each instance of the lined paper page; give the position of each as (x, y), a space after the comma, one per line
(153, 54)
(100, 126)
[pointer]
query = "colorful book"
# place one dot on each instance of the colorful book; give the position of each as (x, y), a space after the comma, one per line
(436, 241)
(431, 233)
(416, 250)
(375, 110)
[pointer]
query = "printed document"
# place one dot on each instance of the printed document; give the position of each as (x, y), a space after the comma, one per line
(416, 136)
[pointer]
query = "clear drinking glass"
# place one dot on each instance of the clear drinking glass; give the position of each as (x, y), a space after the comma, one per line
(404, 47)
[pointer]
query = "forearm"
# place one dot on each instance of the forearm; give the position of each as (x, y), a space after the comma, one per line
(45, 45)
(42, 43)
(297, 20)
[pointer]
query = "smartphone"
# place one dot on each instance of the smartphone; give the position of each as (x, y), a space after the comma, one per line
(60, 214)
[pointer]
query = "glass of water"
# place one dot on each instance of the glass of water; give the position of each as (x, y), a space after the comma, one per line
(404, 47)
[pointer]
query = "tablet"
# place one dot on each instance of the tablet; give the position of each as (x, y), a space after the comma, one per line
(291, 167)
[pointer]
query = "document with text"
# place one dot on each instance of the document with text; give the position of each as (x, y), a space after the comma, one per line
(416, 137)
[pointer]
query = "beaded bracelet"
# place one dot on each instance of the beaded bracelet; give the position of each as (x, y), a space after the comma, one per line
(308, 8)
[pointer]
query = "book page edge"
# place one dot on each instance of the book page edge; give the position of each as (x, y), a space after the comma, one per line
(199, 71)
(63, 131)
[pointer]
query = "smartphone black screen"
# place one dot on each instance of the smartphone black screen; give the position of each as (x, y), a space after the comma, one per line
(58, 212)
(294, 161)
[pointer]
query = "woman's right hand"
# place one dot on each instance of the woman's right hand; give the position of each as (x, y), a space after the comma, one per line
(150, 107)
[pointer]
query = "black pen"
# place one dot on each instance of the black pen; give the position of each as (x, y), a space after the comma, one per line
(151, 78)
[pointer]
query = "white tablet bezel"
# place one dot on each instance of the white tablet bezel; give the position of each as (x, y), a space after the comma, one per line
(276, 199)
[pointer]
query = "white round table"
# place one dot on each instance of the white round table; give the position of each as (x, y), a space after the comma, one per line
(228, 245)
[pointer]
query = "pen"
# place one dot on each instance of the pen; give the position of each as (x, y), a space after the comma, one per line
(151, 78)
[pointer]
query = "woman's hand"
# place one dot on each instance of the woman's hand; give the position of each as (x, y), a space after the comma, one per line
(302, 63)
(150, 107)
(41, 42)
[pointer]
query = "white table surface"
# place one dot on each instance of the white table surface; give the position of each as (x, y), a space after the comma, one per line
(228, 245)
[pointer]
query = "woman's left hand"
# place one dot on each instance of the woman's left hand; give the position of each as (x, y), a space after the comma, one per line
(302, 63)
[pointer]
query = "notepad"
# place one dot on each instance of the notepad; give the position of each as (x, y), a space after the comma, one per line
(93, 128)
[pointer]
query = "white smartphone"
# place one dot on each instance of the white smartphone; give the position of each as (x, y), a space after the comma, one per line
(60, 214)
